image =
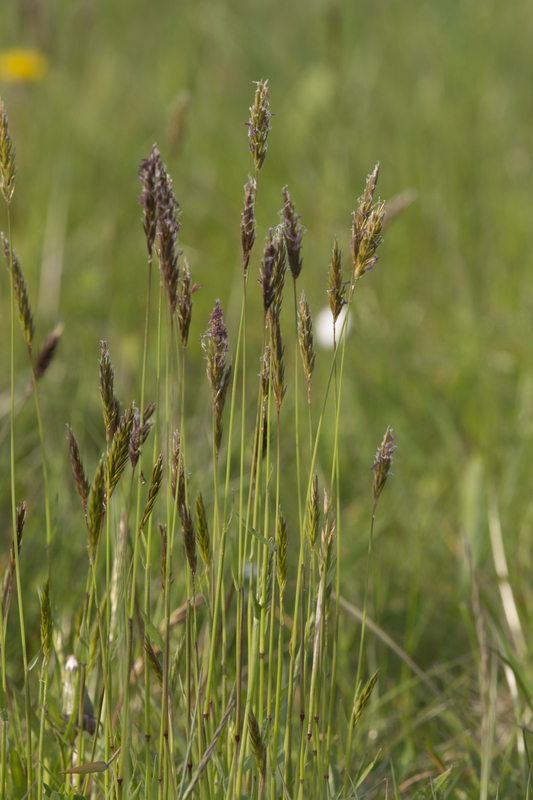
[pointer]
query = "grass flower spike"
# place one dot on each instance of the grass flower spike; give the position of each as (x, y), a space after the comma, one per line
(366, 229)
(21, 293)
(292, 232)
(248, 222)
(7, 159)
(214, 343)
(259, 125)
(383, 463)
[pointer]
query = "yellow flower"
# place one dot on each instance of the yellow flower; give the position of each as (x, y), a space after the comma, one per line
(23, 65)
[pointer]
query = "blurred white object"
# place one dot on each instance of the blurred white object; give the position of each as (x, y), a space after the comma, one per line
(324, 327)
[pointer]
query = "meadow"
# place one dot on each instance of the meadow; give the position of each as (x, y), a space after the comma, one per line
(439, 347)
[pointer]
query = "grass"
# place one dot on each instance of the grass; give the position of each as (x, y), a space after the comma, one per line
(437, 94)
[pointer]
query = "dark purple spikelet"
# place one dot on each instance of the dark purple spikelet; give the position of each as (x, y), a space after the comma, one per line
(214, 343)
(248, 222)
(47, 352)
(259, 125)
(383, 463)
(266, 278)
(292, 232)
(167, 230)
(135, 439)
(279, 268)
(148, 199)
(184, 305)
(83, 486)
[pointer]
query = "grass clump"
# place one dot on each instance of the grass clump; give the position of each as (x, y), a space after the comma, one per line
(212, 668)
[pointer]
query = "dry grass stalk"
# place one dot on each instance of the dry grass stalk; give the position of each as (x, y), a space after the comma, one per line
(20, 291)
(248, 222)
(7, 158)
(292, 233)
(259, 125)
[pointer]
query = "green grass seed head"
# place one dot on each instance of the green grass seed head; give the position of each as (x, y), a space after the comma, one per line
(8, 171)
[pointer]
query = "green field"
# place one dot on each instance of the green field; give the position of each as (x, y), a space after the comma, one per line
(441, 339)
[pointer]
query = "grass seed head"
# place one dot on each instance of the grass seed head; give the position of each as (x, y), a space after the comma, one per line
(202, 531)
(279, 387)
(184, 304)
(107, 391)
(248, 222)
(313, 513)
(153, 660)
(366, 229)
(282, 543)
(279, 268)
(214, 343)
(177, 483)
(292, 233)
(259, 125)
(167, 230)
(20, 291)
(119, 453)
(47, 352)
(148, 175)
(153, 490)
(135, 439)
(258, 747)
(46, 620)
(364, 697)
(305, 337)
(383, 463)
(7, 159)
(96, 505)
(164, 545)
(188, 536)
(266, 275)
(336, 287)
(80, 479)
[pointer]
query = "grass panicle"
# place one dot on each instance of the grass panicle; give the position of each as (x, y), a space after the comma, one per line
(119, 452)
(8, 172)
(46, 620)
(96, 503)
(215, 345)
(167, 231)
(366, 229)
(364, 697)
(292, 233)
(383, 463)
(312, 520)
(259, 125)
(81, 481)
(305, 338)
(47, 352)
(107, 391)
(148, 175)
(248, 223)
(184, 303)
(202, 531)
(153, 491)
(336, 287)
(20, 291)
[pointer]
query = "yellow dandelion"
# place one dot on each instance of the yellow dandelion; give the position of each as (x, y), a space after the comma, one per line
(23, 65)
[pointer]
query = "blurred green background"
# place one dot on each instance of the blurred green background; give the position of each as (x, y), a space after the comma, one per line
(440, 94)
